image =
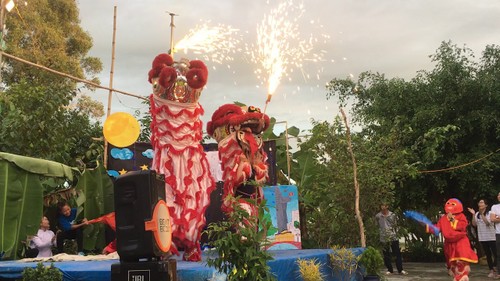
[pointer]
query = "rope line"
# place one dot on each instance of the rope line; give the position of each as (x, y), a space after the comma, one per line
(459, 166)
(70, 76)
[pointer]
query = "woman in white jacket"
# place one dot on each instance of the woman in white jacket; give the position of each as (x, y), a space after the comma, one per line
(486, 234)
(44, 240)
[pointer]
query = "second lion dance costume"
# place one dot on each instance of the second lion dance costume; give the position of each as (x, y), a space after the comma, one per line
(457, 249)
(238, 132)
(176, 134)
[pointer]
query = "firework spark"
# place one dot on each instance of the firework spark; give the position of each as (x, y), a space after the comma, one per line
(213, 43)
(280, 46)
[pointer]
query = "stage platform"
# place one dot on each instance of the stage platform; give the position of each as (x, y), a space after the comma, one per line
(284, 267)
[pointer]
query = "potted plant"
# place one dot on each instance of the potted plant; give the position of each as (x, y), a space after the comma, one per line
(310, 270)
(345, 263)
(372, 261)
(237, 247)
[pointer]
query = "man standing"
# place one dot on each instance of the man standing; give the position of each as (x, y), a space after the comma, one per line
(387, 225)
(495, 218)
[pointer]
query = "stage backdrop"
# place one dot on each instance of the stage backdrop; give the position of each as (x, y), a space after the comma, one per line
(139, 156)
(283, 203)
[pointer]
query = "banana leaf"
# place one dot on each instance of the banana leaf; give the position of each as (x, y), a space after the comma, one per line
(97, 187)
(21, 193)
(39, 166)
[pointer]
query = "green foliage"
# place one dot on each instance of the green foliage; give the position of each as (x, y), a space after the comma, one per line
(239, 243)
(326, 182)
(27, 183)
(97, 187)
(43, 114)
(344, 262)
(20, 207)
(310, 270)
(23, 181)
(372, 261)
(145, 122)
(49, 130)
(53, 38)
(42, 273)
(421, 246)
(446, 117)
(420, 251)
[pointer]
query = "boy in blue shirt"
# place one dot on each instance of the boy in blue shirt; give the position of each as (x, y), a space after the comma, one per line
(69, 228)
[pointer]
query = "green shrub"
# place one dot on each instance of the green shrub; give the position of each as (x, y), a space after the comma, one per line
(372, 261)
(42, 273)
(418, 251)
(239, 242)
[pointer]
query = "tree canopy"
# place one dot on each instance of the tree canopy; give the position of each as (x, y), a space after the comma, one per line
(48, 33)
(445, 122)
(44, 115)
(421, 142)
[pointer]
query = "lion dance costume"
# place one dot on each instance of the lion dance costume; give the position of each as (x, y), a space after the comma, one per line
(457, 249)
(238, 132)
(176, 133)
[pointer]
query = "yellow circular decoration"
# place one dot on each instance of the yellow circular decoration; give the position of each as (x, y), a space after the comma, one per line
(121, 129)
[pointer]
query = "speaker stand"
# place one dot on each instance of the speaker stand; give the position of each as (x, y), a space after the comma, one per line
(165, 270)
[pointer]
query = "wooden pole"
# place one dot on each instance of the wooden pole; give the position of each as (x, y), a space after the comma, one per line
(110, 94)
(356, 184)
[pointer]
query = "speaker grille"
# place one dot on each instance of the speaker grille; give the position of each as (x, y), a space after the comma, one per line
(136, 195)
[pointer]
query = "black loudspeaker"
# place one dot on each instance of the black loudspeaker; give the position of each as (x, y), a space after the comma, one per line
(136, 195)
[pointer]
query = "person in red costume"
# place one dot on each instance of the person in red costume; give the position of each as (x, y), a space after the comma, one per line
(457, 249)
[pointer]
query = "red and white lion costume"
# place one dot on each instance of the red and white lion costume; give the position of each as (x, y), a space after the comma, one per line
(238, 132)
(176, 134)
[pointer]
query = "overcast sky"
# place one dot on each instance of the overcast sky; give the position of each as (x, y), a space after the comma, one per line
(394, 37)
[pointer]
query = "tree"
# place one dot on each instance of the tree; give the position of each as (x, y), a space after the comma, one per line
(48, 33)
(444, 118)
(145, 122)
(327, 189)
(49, 131)
(38, 118)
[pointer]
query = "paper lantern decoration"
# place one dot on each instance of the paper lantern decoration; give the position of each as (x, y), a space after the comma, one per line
(121, 129)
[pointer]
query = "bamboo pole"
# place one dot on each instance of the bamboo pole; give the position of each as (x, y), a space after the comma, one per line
(356, 184)
(110, 94)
